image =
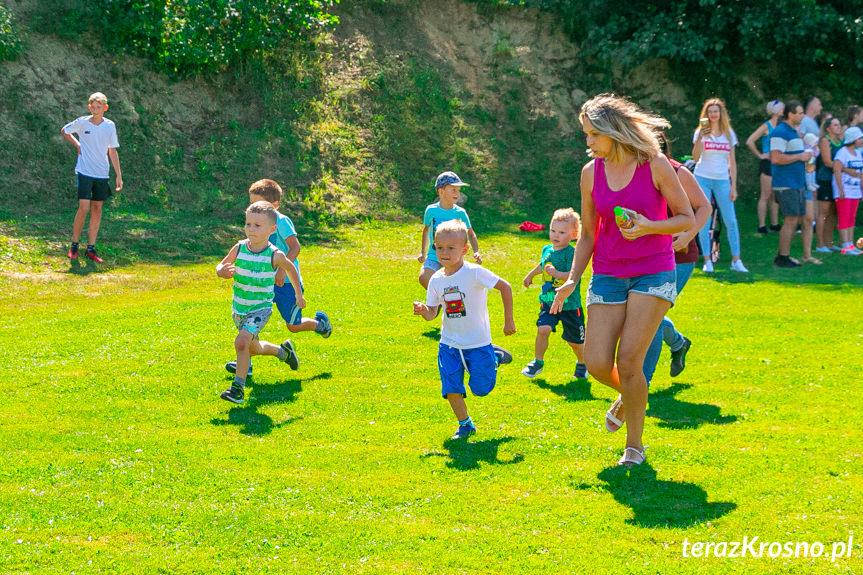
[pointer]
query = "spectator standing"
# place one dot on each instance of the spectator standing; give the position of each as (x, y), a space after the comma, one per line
(766, 199)
(811, 108)
(829, 144)
(847, 171)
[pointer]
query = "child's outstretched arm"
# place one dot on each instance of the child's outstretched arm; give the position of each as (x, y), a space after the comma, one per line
(528, 279)
(506, 296)
(428, 313)
(553, 272)
(424, 249)
(281, 261)
(474, 245)
(225, 268)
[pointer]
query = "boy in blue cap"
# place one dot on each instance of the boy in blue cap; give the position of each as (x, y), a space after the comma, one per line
(448, 186)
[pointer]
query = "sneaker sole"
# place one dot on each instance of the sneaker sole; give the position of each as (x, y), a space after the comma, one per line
(529, 376)
(685, 349)
(231, 399)
(504, 355)
(328, 323)
(231, 367)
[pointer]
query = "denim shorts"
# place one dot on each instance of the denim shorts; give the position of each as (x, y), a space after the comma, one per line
(432, 265)
(604, 289)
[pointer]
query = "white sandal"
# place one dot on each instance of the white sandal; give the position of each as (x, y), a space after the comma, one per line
(612, 423)
(632, 456)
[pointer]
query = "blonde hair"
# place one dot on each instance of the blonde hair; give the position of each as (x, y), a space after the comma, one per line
(631, 129)
(568, 215)
(265, 208)
(724, 122)
(457, 227)
(97, 97)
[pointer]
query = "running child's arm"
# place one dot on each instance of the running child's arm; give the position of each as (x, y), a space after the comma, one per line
(552, 271)
(528, 279)
(225, 268)
(506, 296)
(280, 261)
(293, 251)
(425, 244)
(428, 313)
(474, 245)
(115, 161)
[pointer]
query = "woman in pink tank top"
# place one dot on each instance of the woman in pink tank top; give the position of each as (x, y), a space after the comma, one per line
(633, 282)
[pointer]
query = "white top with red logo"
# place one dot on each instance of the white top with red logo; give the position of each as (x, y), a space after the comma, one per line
(713, 163)
(463, 295)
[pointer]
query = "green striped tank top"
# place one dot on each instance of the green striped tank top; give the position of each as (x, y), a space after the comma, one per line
(254, 278)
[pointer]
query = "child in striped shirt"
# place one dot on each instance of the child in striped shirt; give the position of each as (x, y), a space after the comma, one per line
(252, 263)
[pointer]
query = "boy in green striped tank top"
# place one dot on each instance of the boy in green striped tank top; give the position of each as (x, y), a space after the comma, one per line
(252, 263)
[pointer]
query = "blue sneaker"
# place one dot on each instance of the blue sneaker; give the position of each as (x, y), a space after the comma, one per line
(464, 431)
(231, 367)
(324, 327)
(532, 369)
(580, 371)
(291, 359)
(502, 355)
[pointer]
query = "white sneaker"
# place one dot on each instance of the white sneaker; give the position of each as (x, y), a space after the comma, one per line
(823, 250)
(708, 267)
(737, 266)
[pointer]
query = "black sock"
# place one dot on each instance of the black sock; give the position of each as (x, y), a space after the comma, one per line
(91, 248)
(74, 247)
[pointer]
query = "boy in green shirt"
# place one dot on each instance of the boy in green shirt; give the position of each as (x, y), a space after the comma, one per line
(554, 265)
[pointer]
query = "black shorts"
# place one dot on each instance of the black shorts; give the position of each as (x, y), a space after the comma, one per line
(765, 168)
(96, 189)
(825, 191)
(572, 320)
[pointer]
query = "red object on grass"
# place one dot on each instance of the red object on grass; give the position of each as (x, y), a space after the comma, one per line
(530, 227)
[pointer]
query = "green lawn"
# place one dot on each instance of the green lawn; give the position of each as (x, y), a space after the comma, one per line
(117, 456)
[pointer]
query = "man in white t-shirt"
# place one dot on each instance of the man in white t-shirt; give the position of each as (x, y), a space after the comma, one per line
(96, 144)
(465, 343)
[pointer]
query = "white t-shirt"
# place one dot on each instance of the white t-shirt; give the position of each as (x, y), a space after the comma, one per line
(464, 297)
(95, 141)
(850, 184)
(713, 163)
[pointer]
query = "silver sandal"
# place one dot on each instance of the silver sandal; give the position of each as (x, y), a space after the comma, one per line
(612, 423)
(632, 456)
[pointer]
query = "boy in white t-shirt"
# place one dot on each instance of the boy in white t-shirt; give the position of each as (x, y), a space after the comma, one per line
(465, 345)
(96, 144)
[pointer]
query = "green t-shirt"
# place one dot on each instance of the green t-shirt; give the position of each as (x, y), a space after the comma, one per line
(562, 262)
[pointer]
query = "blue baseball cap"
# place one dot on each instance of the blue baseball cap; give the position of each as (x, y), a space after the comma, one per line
(448, 179)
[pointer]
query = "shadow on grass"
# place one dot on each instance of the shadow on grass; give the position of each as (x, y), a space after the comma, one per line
(658, 503)
(676, 414)
(247, 417)
(83, 267)
(466, 455)
(573, 390)
(433, 333)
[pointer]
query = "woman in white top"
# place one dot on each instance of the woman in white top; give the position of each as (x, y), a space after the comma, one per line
(716, 172)
(774, 110)
(847, 170)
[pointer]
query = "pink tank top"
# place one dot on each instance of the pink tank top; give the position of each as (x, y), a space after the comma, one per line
(613, 254)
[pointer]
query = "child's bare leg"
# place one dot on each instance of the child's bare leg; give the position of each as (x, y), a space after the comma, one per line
(95, 222)
(306, 324)
(459, 407)
(258, 347)
(242, 345)
(578, 348)
(541, 344)
(425, 277)
(80, 218)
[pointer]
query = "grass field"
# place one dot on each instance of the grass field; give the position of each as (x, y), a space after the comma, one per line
(117, 456)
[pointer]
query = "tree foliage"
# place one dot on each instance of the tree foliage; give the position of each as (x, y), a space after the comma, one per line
(190, 36)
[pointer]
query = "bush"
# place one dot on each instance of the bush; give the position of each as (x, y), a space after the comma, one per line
(10, 43)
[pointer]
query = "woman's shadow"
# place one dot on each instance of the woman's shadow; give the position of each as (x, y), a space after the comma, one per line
(467, 455)
(659, 503)
(573, 390)
(252, 422)
(676, 414)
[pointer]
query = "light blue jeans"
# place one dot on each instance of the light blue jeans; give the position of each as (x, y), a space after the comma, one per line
(666, 331)
(721, 190)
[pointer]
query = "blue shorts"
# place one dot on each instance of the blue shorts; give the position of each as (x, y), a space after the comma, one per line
(252, 322)
(605, 289)
(432, 265)
(286, 302)
(479, 362)
(572, 320)
(95, 189)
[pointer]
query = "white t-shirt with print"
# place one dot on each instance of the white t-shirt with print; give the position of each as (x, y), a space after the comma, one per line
(95, 141)
(713, 163)
(464, 297)
(850, 184)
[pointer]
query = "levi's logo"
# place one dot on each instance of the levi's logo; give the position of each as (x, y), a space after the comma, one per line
(718, 146)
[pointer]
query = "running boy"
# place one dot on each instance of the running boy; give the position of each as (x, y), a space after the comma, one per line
(96, 144)
(285, 239)
(252, 263)
(554, 265)
(448, 186)
(465, 342)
